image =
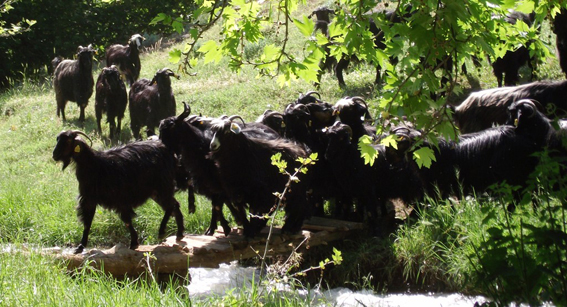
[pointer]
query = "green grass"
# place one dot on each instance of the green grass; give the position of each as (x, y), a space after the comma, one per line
(37, 199)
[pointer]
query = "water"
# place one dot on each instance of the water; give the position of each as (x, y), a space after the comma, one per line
(231, 277)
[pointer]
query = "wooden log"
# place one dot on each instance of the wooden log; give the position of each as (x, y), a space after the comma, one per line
(205, 251)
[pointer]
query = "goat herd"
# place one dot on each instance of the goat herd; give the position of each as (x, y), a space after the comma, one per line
(230, 161)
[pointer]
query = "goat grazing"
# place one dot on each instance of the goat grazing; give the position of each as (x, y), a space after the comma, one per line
(120, 179)
(151, 101)
(245, 167)
(486, 108)
(126, 58)
(111, 98)
(73, 81)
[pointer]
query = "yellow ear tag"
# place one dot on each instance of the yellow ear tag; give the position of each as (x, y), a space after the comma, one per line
(309, 123)
(516, 122)
(283, 125)
(77, 149)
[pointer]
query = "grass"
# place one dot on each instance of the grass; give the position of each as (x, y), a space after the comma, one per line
(37, 199)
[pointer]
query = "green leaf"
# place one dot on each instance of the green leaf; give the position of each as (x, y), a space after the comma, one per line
(305, 26)
(159, 18)
(390, 141)
(367, 151)
(211, 51)
(424, 157)
(174, 56)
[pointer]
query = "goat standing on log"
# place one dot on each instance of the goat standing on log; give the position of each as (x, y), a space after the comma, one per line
(244, 163)
(126, 58)
(73, 81)
(151, 101)
(110, 98)
(120, 179)
(190, 139)
(486, 108)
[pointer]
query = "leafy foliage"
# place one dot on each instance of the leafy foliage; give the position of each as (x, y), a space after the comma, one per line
(84, 22)
(431, 35)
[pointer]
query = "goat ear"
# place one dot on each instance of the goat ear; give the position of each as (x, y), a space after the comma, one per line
(235, 128)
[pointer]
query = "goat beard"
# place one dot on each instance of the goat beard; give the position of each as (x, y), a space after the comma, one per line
(66, 163)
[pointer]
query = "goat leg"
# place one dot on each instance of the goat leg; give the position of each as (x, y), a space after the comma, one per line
(86, 212)
(126, 217)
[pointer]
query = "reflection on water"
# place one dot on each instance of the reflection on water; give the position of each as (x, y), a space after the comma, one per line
(229, 277)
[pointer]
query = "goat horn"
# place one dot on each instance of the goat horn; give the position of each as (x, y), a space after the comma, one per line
(270, 113)
(82, 133)
(404, 130)
(358, 99)
(303, 107)
(312, 92)
(233, 117)
(186, 112)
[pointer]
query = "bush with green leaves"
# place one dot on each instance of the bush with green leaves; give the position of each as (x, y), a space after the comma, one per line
(60, 26)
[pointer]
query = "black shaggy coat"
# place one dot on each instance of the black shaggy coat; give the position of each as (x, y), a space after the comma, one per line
(110, 98)
(73, 81)
(486, 108)
(151, 101)
(126, 58)
(248, 176)
(190, 139)
(372, 185)
(121, 179)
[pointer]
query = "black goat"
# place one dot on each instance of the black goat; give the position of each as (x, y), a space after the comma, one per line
(372, 185)
(190, 139)
(353, 111)
(73, 81)
(126, 58)
(151, 101)
(486, 108)
(495, 155)
(274, 120)
(120, 179)
(303, 123)
(110, 98)
(560, 30)
(323, 15)
(244, 166)
(391, 17)
(510, 64)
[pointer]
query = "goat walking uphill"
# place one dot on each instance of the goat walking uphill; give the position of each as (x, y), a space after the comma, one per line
(120, 179)
(126, 58)
(73, 81)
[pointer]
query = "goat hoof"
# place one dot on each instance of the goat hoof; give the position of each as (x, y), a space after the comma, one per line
(134, 246)
(226, 231)
(79, 249)
(179, 237)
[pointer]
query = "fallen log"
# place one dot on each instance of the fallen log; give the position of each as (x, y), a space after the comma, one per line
(175, 257)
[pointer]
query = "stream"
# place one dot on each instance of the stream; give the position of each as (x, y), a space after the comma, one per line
(232, 277)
